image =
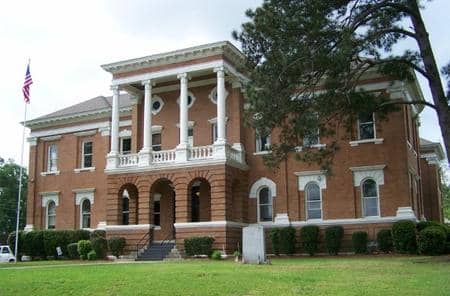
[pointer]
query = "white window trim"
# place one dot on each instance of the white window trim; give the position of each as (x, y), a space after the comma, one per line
(376, 172)
(126, 133)
(81, 212)
(191, 124)
(258, 143)
(306, 177)
(157, 99)
(258, 203)
(48, 197)
(49, 170)
(374, 128)
(192, 101)
(321, 201)
(261, 182)
(363, 198)
(121, 143)
(214, 91)
(83, 154)
(84, 193)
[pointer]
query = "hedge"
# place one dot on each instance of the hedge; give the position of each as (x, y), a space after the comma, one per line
(432, 240)
(359, 242)
(424, 224)
(72, 251)
(384, 240)
(404, 236)
(92, 255)
(287, 240)
(198, 245)
(275, 239)
(11, 241)
(116, 245)
(333, 239)
(100, 246)
(97, 233)
(309, 236)
(84, 247)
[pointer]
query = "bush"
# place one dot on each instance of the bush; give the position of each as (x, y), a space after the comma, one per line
(309, 236)
(84, 247)
(100, 246)
(72, 251)
(80, 234)
(33, 244)
(432, 240)
(275, 239)
(404, 236)
(384, 240)
(216, 255)
(198, 245)
(116, 245)
(11, 241)
(97, 233)
(424, 224)
(287, 240)
(359, 241)
(333, 239)
(92, 255)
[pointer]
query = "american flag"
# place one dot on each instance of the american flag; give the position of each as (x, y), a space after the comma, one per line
(26, 85)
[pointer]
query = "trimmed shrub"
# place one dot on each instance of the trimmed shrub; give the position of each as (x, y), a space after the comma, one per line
(97, 233)
(359, 241)
(333, 239)
(84, 247)
(79, 234)
(275, 239)
(424, 224)
(216, 255)
(404, 236)
(72, 251)
(116, 245)
(100, 246)
(198, 245)
(33, 243)
(309, 236)
(432, 240)
(92, 255)
(11, 241)
(287, 240)
(384, 240)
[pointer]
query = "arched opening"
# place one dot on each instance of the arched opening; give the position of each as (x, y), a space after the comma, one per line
(200, 198)
(128, 204)
(313, 201)
(265, 205)
(51, 215)
(162, 215)
(370, 199)
(86, 213)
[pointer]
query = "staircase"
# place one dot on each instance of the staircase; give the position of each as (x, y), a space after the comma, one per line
(155, 251)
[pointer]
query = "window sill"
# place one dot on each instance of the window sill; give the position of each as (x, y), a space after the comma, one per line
(50, 173)
(262, 152)
(375, 141)
(89, 169)
(318, 146)
(157, 228)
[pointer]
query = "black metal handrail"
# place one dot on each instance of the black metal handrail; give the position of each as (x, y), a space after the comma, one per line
(164, 242)
(144, 240)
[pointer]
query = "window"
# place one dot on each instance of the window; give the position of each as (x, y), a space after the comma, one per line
(86, 214)
(370, 198)
(265, 205)
(125, 145)
(156, 142)
(311, 139)
(157, 104)
(157, 209)
(262, 142)
(51, 215)
(52, 158)
(191, 136)
(86, 154)
(214, 131)
(195, 203)
(313, 201)
(366, 126)
(125, 208)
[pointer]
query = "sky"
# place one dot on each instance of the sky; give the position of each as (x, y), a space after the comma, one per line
(67, 41)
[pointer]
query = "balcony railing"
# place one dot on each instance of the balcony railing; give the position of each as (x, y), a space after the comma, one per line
(197, 154)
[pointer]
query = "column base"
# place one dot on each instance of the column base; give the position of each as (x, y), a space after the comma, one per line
(28, 228)
(112, 160)
(406, 213)
(101, 225)
(282, 218)
(220, 149)
(145, 157)
(182, 153)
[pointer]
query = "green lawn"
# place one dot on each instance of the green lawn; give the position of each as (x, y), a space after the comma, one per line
(299, 276)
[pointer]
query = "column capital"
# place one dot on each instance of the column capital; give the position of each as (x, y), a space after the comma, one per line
(220, 70)
(148, 83)
(182, 76)
(115, 88)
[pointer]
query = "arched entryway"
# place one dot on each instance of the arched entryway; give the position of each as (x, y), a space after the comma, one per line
(200, 200)
(162, 214)
(128, 204)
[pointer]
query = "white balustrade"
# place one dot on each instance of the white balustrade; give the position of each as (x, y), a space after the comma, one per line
(234, 154)
(164, 156)
(201, 152)
(126, 160)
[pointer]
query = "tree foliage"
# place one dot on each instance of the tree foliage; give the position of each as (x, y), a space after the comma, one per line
(9, 186)
(307, 59)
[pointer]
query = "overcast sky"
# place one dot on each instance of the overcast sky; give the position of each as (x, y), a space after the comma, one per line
(67, 41)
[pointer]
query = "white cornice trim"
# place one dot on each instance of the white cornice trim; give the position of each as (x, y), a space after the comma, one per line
(209, 224)
(84, 190)
(86, 133)
(51, 138)
(368, 168)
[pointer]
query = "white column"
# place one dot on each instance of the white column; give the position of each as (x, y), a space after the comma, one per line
(182, 148)
(221, 106)
(147, 116)
(112, 158)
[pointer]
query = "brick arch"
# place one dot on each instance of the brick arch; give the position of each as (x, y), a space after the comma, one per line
(132, 199)
(200, 199)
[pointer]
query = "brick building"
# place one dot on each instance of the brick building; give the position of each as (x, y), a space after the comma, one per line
(168, 157)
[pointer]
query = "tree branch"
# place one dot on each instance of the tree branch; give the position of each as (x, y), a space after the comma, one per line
(401, 102)
(402, 61)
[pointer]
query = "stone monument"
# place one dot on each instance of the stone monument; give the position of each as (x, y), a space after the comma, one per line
(253, 244)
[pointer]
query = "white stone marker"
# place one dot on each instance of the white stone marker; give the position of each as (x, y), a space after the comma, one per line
(253, 246)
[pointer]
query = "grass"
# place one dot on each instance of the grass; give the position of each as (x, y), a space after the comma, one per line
(297, 276)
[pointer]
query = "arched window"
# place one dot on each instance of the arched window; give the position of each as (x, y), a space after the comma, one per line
(265, 207)
(370, 199)
(125, 208)
(86, 214)
(313, 201)
(51, 215)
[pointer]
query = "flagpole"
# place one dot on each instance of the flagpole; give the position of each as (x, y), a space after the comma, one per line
(20, 181)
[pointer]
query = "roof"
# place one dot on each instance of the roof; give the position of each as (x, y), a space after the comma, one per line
(428, 148)
(99, 104)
